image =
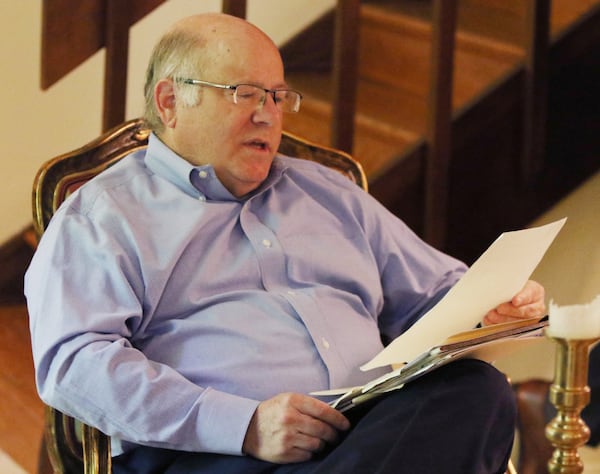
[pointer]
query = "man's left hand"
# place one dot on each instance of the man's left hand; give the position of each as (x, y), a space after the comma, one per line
(527, 303)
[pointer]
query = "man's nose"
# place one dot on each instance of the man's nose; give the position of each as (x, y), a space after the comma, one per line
(267, 110)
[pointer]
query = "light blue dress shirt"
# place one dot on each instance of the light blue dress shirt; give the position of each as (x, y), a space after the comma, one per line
(163, 309)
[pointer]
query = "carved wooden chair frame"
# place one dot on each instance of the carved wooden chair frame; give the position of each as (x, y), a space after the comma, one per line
(73, 446)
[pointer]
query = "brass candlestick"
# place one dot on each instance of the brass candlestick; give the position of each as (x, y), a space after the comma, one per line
(569, 393)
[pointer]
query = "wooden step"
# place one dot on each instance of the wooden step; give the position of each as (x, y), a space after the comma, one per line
(500, 20)
(394, 68)
(395, 51)
(376, 142)
(497, 20)
(392, 95)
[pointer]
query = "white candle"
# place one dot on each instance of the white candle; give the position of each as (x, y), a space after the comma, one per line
(581, 321)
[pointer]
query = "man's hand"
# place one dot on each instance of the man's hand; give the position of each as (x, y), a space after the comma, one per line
(291, 427)
(527, 303)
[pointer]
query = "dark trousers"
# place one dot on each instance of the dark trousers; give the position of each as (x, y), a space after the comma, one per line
(458, 419)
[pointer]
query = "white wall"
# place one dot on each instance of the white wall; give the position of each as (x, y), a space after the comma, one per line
(570, 272)
(37, 125)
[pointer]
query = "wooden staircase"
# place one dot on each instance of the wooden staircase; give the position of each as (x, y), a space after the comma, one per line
(486, 195)
(394, 62)
(520, 129)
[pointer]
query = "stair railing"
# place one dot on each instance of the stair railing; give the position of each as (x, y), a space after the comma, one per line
(439, 114)
(345, 67)
(234, 7)
(438, 134)
(535, 94)
(345, 73)
(345, 79)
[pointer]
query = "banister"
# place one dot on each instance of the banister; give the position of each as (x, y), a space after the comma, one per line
(345, 73)
(537, 37)
(439, 112)
(439, 122)
(345, 67)
(234, 7)
(117, 23)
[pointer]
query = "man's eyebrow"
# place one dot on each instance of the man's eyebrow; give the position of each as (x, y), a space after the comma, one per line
(282, 85)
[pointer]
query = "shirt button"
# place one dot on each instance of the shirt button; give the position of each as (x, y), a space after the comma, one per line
(325, 343)
(202, 198)
(291, 293)
(266, 243)
(202, 174)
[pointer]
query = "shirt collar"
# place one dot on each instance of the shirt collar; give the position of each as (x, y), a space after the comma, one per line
(164, 162)
(200, 182)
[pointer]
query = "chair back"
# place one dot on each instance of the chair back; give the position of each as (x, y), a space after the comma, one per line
(60, 176)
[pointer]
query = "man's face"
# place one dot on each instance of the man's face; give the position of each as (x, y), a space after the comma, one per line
(239, 141)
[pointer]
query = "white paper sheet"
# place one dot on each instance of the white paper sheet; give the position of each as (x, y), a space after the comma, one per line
(496, 276)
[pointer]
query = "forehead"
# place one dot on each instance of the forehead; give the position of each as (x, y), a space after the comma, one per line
(244, 56)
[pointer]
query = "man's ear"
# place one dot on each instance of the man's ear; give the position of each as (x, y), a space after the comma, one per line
(165, 101)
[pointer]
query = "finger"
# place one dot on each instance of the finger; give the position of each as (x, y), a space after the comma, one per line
(508, 312)
(323, 412)
(318, 429)
(532, 292)
(494, 317)
(534, 310)
(309, 443)
(508, 309)
(530, 310)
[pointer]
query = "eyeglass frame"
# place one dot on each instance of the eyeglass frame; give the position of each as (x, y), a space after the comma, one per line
(233, 87)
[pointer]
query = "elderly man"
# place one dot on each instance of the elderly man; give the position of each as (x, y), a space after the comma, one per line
(189, 299)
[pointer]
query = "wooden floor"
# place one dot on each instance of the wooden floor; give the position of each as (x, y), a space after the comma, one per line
(21, 411)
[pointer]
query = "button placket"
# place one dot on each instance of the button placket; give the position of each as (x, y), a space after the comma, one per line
(267, 250)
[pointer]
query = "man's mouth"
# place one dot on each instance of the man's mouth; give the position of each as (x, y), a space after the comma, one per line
(258, 144)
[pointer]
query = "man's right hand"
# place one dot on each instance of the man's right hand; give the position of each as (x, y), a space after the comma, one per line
(291, 427)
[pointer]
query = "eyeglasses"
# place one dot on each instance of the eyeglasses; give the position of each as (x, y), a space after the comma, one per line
(286, 100)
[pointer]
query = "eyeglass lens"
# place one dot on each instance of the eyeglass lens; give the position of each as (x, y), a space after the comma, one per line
(286, 100)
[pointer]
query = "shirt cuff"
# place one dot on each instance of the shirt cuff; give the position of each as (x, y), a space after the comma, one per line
(223, 421)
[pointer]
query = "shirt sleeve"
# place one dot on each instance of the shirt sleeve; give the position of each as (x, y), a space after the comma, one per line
(414, 275)
(84, 298)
